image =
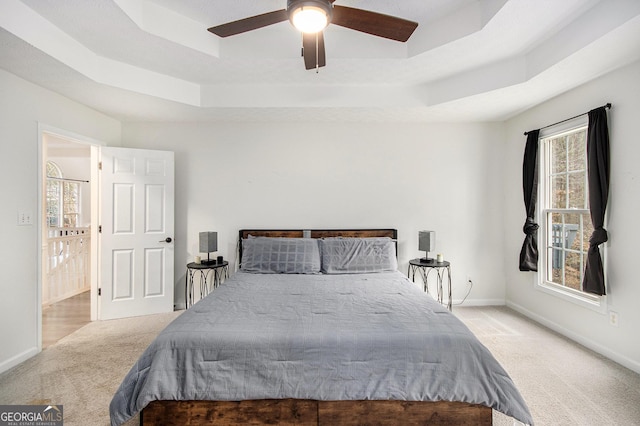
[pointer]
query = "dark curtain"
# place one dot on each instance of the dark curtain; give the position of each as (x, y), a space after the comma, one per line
(529, 252)
(598, 177)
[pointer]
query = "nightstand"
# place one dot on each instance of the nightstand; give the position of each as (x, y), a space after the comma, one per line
(218, 271)
(425, 268)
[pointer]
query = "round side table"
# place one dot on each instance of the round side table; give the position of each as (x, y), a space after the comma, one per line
(219, 272)
(425, 268)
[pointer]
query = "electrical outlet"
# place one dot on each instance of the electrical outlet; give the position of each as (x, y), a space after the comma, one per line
(613, 318)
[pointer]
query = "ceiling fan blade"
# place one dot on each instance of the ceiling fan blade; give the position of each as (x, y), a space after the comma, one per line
(249, 24)
(313, 50)
(373, 23)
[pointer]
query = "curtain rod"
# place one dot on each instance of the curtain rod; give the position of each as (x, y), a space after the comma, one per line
(559, 122)
(67, 179)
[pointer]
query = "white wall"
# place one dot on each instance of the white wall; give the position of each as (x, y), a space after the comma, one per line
(22, 106)
(622, 89)
(411, 177)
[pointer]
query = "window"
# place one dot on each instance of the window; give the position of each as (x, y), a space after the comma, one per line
(71, 204)
(565, 217)
(54, 194)
(63, 199)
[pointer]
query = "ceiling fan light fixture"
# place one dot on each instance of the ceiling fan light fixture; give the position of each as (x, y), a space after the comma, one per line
(310, 16)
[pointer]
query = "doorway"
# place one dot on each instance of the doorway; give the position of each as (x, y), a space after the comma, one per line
(65, 218)
(151, 289)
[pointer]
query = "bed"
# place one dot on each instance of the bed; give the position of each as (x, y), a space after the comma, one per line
(317, 327)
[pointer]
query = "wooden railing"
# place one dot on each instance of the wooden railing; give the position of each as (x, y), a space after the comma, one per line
(67, 254)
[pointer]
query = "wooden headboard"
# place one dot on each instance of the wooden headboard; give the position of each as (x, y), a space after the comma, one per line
(315, 233)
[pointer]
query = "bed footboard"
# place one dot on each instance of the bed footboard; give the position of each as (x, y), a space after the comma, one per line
(308, 412)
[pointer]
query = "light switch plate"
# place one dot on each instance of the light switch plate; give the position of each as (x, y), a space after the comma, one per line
(25, 217)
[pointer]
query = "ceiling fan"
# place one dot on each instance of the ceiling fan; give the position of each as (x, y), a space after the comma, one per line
(312, 16)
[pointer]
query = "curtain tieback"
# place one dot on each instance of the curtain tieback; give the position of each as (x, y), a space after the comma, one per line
(598, 237)
(530, 227)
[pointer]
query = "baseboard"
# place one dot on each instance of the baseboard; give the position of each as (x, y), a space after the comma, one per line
(20, 358)
(478, 302)
(594, 346)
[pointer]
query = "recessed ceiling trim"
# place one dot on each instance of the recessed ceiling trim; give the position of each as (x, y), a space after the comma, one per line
(458, 24)
(494, 76)
(26, 24)
(316, 96)
(586, 29)
(171, 26)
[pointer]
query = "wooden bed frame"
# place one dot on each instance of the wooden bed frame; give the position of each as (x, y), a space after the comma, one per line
(311, 412)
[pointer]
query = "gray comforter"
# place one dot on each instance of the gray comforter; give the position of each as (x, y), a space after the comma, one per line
(321, 337)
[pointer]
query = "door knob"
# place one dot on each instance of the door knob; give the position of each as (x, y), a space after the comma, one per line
(166, 240)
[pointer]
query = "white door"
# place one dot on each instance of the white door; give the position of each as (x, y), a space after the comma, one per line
(136, 237)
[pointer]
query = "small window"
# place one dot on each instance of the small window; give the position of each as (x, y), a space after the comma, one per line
(54, 194)
(63, 199)
(71, 204)
(566, 220)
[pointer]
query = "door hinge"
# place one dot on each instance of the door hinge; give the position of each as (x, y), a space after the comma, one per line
(99, 292)
(99, 165)
(99, 229)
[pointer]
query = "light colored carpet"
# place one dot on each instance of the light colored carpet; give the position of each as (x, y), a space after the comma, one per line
(83, 370)
(563, 383)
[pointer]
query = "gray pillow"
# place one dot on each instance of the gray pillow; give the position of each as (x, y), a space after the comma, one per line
(358, 255)
(267, 255)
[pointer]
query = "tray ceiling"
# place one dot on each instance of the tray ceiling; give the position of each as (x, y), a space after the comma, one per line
(469, 60)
